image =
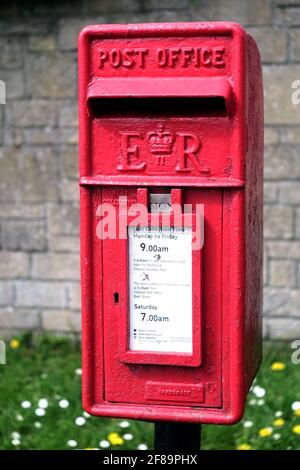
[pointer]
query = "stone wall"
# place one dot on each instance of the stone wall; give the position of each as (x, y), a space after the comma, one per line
(39, 260)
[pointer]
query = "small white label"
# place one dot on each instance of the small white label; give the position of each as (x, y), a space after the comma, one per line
(160, 202)
(160, 289)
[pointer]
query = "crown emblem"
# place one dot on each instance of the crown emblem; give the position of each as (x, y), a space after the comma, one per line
(160, 143)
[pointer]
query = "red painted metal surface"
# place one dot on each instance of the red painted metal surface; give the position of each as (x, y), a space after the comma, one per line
(199, 86)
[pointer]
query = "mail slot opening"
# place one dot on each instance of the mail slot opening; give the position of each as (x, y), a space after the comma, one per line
(152, 106)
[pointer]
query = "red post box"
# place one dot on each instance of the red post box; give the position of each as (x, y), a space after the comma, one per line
(171, 129)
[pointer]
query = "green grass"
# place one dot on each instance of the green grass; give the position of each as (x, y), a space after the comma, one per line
(48, 368)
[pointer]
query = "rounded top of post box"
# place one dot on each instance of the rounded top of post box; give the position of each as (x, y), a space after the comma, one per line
(209, 28)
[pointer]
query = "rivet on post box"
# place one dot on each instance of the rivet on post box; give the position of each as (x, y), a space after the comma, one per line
(171, 145)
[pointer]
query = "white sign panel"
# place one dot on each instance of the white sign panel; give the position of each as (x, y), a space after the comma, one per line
(160, 289)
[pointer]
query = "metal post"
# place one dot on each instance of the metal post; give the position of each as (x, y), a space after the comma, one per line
(185, 437)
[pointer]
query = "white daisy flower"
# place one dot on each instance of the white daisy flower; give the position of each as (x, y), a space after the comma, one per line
(86, 415)
(104, 444)
(276, 436)
(128, 437)
(252, 402)
(248, 424)
(258, 391)
(72, 443)
(16, 442)
(25, 404)
(278, 414)
(37, 425)
(80, 421)
(40, 412)
(142, 447)
(15, 435)
(78, 371)
(260, 402)
(124, 424)
(63, 403)
(43, 403)
(19, 417)
(296, 405)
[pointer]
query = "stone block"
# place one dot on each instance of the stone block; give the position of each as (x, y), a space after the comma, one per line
(111, 6)
(272, 43)
(61, 321)
(19, 319)
(279, 108)
(166, 4)
(14, 82)
(42, 42)
(270, 135)
(55, 266)
(67, 113)
(69, 190)
(283, 273)
(281, 302)
(69, 29)
(284, 249)
(282, 162)
(41, 136)
(297, 223)
(29, 175)
(13, 265)
(6, 293)
(11, 53)
(24, 235)
(63, 219)
(24, 211)
(68, 136)
(52, 75)
(266, 266)
(289, 192)
(295, 44)
(289, 135)
(36, 294)
(288, 15)
(74, 298)
(278, 222)
(284, 329)
(271, 191)
(64, 243)
(68, 156)
(29, 113)
(255, 12)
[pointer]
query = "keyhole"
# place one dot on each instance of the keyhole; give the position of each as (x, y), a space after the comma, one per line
(116, 297)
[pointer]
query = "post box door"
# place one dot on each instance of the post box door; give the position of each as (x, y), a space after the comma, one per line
(167, 382)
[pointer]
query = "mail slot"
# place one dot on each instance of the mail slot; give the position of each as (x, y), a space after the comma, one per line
(171, 145)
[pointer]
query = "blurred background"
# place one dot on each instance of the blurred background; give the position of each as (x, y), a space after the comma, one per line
(39, 227)
(39, 243)
(40, 404)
